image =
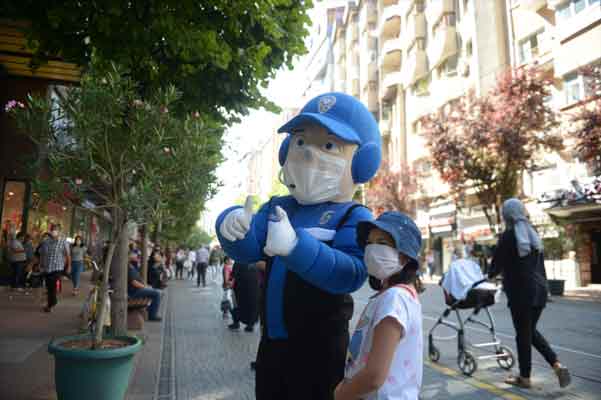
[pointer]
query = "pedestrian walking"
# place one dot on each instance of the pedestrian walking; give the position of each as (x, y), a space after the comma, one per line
(385, 353)
(430, 263)
(519, 257)
(216, 259)
(190, 263)
(246, 294)
(180, 258)
(78, 252)
(202, 262)
(17, 257)
(56, 260)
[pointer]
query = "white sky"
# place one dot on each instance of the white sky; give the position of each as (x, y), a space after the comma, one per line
(285, 90)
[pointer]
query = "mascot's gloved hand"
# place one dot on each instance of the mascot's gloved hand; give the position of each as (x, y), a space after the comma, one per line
(237, 223)
(281, 237)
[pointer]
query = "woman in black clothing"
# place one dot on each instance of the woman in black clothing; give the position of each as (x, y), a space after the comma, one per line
(156, 270)
(519, 257)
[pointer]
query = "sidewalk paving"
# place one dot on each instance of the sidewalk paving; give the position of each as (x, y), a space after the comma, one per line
(192, 355)
(211, 362)
(26, 368)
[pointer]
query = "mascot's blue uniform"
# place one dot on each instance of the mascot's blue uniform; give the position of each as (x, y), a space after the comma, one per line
(306, 302)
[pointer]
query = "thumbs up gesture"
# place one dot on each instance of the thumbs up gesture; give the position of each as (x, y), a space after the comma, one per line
(236, 224)
(281, 236)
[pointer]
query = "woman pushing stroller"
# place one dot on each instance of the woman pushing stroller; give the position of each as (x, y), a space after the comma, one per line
(519, 256)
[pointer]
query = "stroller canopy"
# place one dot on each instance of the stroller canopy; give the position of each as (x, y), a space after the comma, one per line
(460, 278)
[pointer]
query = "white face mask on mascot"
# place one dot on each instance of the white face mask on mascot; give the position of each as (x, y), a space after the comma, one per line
(318, 166)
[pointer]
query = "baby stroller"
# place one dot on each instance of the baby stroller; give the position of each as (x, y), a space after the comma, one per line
(465, 288)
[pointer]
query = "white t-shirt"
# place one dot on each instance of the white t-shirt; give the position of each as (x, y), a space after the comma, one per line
(405, 376)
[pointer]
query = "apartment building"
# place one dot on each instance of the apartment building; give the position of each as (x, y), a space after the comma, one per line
(562, 36)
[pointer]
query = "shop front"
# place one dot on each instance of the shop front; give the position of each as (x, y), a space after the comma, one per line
(443, 232)
(579, 211)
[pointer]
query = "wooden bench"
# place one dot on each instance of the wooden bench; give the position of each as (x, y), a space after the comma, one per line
(137, 312)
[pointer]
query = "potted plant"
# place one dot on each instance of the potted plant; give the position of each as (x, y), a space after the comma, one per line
(136, 160)
(555, 249)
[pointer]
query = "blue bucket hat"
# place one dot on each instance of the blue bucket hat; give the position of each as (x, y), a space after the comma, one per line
(407, 236)
(349, 120)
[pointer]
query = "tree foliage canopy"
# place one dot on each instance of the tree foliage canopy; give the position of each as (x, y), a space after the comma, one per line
(216, 53)
(392, 190)
(485, 143)
(587, 120)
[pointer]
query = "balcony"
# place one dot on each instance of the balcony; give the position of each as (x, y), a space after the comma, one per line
(415, 67)
(446, 46)
(390, 21)
(369, 73)
(437, 8)
(416, 29)
(390, 84)
(533, 5)
(390, 57)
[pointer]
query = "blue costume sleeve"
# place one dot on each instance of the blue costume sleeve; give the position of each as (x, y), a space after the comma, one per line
(249, 249)
(337, 269)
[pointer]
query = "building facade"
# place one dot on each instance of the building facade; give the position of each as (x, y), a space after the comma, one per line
(405, 59)
(21, 208)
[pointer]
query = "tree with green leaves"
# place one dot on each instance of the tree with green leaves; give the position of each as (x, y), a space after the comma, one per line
(216, 53)
(133, 156)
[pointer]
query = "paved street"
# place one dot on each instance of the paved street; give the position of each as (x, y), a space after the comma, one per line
(212, 363)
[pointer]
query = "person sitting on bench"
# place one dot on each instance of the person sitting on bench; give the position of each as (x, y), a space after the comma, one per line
(137, 289)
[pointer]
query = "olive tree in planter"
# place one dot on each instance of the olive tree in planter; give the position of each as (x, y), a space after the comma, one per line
(101, 139)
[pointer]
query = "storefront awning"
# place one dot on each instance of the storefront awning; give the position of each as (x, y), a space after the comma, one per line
(579, 213)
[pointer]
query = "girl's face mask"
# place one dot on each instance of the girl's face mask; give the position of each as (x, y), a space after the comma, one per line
(382, 261)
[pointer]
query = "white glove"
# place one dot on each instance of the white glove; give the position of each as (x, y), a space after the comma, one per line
(281, 237)
(236, 224)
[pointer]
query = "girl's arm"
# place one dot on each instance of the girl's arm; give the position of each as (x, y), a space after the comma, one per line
(387, 335)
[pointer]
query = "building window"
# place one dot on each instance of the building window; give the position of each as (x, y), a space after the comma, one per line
(420, 88)
(571, 8)
(529, 47)
(468, 48)
(573, 87)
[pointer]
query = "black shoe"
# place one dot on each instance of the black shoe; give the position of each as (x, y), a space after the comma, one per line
(234, 327)
(249, 328)
(156, 319)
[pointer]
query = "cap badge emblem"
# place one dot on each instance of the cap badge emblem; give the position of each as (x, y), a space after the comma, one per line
(326, 103)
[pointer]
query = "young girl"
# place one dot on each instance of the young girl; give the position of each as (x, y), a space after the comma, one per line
(385, 354)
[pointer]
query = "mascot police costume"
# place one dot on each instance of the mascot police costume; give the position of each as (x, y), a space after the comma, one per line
(309, 242)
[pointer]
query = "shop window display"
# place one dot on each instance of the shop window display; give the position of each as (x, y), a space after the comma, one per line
(13, 205)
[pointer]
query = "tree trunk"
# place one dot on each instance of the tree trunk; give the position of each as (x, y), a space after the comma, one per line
(119, 274)
(157, 231)
(102, 299)
(144, 261)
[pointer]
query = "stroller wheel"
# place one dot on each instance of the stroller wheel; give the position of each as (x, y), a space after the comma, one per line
(434, 354)
(467, 363)
(506, 359)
